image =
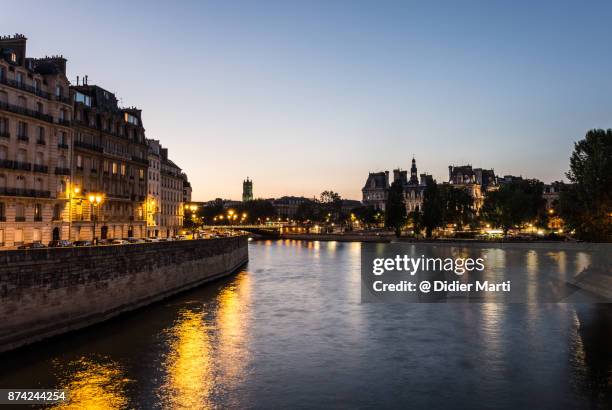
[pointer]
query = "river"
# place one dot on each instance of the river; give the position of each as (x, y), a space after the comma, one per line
(290, 331)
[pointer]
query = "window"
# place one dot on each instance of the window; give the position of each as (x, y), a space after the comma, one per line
(141, 174)
(37, 212)
(38, 184)
(36, 235)
(3, 152)
(122, 170)
(41, 135)
(39, 158)
(2, 74)
(40, 107)
(105, 166)
(114, 168)
(19, 78)
(57, 212)
(18, 236)
(82, 98)
(129, 118)
(20, 182)
(22, 155)
(3, 97)
(36, 84)
(22, 130)
(22, 102)
(1, 237)
(79, 161)
(4, 127)
(19, 213)
(62, 138)
(61, 162)
(58, 90)
(2, 213)
(13, 57)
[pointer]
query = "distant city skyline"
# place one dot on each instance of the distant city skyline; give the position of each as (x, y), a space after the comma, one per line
(310, 97)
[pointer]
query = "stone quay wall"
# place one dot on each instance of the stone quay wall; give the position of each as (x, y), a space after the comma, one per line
(46, 292)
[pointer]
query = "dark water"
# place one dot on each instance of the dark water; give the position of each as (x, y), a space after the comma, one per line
(289, 331)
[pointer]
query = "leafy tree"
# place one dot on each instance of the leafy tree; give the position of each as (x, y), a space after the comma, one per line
(433, 214)
(586, 205)
(331, 206)
(209, 212)
(395, 214)
(366, 214)
(457, 205)
(308, 211)
(513, 204)
(416, 217)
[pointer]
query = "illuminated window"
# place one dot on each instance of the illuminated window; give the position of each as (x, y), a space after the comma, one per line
(114, 168)
(13, 57)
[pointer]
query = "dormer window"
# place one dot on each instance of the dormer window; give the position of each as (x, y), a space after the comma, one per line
(13, 57)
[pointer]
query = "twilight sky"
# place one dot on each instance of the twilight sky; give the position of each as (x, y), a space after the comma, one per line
(307, 96)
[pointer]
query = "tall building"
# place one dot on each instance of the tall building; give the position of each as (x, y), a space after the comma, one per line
(35, 145)
(186, 188)
(414, 189)
(376, 189)
(247, 190)
(110, 162)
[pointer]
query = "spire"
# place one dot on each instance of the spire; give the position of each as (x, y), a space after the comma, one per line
(414, 179)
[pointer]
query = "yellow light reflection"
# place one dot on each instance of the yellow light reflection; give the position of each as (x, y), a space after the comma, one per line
(94, 385)
(189, 381)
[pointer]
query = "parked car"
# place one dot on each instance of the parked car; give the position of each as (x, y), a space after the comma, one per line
(105, 241)
(119, 242)
(59, 244)
(151, 240)
(83, 243)
(134, 240)
(33, 245)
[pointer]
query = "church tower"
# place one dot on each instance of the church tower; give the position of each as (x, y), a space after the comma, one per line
(247, 190)
(414, 178)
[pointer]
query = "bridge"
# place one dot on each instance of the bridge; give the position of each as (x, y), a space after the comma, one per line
(271, 229)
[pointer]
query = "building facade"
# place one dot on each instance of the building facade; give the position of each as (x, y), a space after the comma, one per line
(414, 189)
(154, 189)
(247, 190)
(172, 206)
(476, 181)
(375, 190)
(35, 145)
(110, 162)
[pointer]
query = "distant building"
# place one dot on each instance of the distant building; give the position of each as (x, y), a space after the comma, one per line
(414, 188)
(287, 206)
(247, 190)
(476, 181)
(349, 204)
(376, 189)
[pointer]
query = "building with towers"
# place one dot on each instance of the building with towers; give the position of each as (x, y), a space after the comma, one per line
(247, 190)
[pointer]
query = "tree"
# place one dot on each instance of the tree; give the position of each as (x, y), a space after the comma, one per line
(257, 209)
(432, 217)
(395, 213)
(416, 217)
(586, 204)
(331, 205)
(366, 214)
(513, 204)
(457, 206)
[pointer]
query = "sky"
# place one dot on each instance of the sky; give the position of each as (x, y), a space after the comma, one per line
(309, 96)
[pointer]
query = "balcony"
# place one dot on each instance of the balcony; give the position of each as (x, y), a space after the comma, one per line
(33, 193)
(5, 135)
(65, 100)
(24, 111)
(63, 122)
(63, 145)
(23, 138)
(41, 168)
(23, 166)
(24, 87)
(38, 219)
(140, 160)
(41, 142)
(62, 171)
(86, 145)
(20, 219)
(93, 171)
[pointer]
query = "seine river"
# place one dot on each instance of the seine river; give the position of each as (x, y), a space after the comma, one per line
(290, 331)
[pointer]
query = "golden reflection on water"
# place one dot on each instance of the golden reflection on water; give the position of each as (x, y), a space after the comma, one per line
(93, 385)
(207, 349)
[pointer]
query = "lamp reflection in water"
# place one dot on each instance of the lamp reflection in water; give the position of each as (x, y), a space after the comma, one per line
(95, 384)
(207, 349)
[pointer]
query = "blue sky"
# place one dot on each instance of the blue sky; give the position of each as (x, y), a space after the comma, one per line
(308, 96)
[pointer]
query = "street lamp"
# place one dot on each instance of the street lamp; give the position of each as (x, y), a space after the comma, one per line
(94, 200)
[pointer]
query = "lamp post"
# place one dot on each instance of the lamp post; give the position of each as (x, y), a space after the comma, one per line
(94, 201)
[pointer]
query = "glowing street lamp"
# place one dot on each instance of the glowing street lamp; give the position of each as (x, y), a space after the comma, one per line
(95, 199)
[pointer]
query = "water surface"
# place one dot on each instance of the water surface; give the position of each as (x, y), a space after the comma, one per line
(289, 331)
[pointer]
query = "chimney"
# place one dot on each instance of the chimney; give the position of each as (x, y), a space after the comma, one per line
(77, 80)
